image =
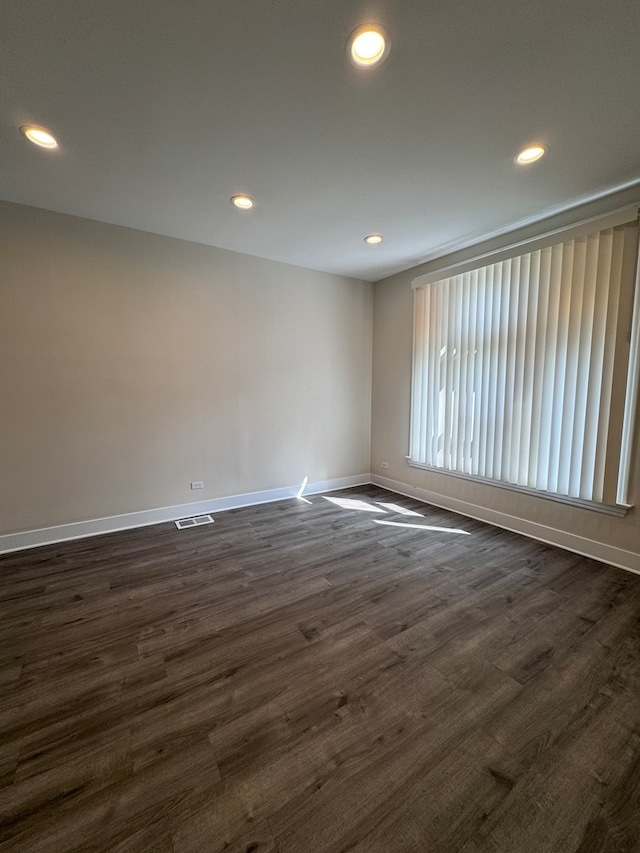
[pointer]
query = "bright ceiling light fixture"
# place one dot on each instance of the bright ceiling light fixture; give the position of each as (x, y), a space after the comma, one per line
(244, 202)
(368, 45)
(373, 239)
(530, 154)
(39, 136)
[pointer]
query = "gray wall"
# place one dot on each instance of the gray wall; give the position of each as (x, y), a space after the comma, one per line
(132, 364)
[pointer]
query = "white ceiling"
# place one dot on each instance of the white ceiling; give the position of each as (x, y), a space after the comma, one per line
(164, 109)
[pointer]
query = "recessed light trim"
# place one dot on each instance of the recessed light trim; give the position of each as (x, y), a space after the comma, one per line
(368, 45)
(373, 239)
(530, 154)
(243, 202)
(39, 136)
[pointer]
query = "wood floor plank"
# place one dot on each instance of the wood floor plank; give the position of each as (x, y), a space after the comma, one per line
(301, 678)
(538, 815)
(450, 802)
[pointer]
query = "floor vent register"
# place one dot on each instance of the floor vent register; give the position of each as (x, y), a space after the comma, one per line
(196, 521)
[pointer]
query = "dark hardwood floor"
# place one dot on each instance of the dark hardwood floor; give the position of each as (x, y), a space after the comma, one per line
(310, 677)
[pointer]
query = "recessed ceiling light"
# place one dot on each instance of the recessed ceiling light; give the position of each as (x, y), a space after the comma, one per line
(530, 154)
(244, 202)
(373, 239)
(39, 136)
(368, 45)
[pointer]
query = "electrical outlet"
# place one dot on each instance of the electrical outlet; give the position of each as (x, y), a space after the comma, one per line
(384, 464)
(197, 484)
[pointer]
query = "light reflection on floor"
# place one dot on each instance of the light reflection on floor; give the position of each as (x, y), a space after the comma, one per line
(422, 527)
(384, 508)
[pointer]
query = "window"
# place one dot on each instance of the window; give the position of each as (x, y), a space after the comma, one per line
(520, 365)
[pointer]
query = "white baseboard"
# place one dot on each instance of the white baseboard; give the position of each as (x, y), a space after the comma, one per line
(628, 560)
(81, 529)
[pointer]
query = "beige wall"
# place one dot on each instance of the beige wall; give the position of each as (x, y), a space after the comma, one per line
(132, 364)
(392, 356)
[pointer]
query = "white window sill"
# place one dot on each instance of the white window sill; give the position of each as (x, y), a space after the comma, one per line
(607, 509)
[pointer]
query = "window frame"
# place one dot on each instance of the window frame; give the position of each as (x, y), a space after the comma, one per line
(627, 404)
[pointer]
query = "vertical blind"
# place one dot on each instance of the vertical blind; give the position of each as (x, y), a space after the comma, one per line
(520, 366)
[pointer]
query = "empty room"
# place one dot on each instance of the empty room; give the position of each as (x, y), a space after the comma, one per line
(319, 433)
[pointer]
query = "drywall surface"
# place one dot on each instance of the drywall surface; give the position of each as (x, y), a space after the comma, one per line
(132, 364)
(546, 519)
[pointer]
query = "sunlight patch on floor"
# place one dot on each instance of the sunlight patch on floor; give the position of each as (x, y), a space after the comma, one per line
(353, 503)
(422, 527)
(401, 510)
